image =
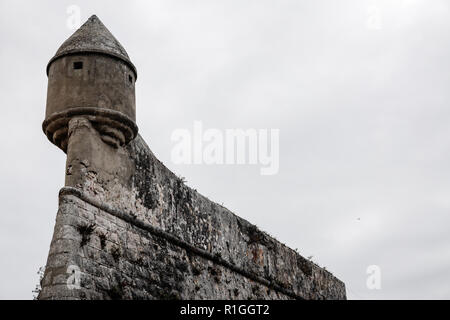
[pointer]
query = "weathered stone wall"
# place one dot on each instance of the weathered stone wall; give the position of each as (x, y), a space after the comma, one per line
(121, 261)
(136, 231)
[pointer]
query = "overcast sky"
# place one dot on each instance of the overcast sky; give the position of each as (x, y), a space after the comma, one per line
(358, 89)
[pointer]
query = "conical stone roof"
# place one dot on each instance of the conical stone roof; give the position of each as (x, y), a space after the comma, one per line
(93, 37)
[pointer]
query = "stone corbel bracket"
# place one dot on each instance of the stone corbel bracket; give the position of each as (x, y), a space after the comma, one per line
(115, 128)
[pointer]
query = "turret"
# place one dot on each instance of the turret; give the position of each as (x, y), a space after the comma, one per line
(91, 76)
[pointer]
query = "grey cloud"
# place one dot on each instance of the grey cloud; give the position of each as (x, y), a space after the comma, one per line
(363, 118)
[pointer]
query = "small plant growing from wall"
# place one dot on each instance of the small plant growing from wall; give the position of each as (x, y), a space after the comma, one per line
(102, 238)
(38, 288)
(85, 232)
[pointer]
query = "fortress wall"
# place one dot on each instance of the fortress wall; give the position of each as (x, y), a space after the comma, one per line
(136, 231)
(122, 261)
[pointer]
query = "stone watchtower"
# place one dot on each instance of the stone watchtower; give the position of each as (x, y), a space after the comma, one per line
(127, 227)
(91, 75)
